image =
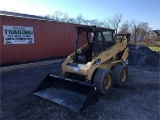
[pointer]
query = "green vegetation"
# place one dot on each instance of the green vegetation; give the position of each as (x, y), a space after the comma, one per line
(155, 49)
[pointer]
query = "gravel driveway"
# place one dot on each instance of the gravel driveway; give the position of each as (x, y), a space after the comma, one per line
(138, 100)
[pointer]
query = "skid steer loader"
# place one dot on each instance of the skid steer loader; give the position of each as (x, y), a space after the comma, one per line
(98, 62)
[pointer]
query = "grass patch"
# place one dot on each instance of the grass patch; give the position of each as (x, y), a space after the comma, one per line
(155, 49)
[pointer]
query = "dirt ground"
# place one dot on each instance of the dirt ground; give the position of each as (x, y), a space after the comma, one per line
(138, 100)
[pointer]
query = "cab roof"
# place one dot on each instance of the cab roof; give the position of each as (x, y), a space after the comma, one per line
(93, 29)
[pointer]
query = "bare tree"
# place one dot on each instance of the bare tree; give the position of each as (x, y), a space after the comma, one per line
(139, 30)
(57, 15)
(114, 22)
(94, 22)
(134, 30)
(65, 17)
(87, 22)
(101, 23)
(104, 23)
(72, 20)
(80, 19)
(143, 28)
(124, 28)
(48, 16)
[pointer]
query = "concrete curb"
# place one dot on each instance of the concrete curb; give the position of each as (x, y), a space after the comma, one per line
(15, 67)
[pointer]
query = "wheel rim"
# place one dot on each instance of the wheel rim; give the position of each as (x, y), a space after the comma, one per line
(123, 75)
(107, 81)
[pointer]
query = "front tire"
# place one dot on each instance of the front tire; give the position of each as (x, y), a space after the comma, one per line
(103, 79)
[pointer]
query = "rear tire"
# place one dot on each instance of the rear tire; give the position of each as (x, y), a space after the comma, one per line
(120, 73)
(103, 79)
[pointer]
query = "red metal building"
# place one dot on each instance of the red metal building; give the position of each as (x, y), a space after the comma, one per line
(51, 39)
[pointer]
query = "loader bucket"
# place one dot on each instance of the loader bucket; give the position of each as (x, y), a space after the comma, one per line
(74, 95)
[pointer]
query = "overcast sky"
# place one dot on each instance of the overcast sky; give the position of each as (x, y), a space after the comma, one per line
(138, 10)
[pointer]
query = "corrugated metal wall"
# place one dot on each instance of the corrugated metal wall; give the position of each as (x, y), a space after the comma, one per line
(51, 39)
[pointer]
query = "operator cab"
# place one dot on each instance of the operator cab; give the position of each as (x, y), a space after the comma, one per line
(97, 39)
(105, 40)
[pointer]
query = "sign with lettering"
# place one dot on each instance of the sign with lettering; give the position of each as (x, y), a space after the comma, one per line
(18, 35)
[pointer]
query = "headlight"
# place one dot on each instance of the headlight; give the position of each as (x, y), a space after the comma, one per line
(80, 51)
(97, 62)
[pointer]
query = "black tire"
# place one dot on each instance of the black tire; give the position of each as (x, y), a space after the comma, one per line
(120, 74)
(103, 80)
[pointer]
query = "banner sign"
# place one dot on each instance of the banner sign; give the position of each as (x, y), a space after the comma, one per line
(18, 35)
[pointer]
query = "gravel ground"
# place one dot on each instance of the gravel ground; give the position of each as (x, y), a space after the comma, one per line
(138, 100)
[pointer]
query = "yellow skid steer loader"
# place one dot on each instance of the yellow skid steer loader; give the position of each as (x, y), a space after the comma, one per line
(99, 61)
